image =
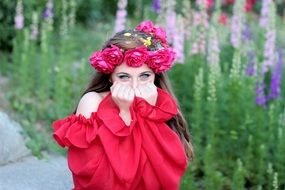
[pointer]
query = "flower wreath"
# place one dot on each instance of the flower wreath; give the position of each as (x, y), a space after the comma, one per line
(158, 60)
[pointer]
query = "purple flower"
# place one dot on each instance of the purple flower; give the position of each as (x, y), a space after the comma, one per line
(19, 18)
(264, 15)
(120, 20)
(246, 33)
(19, 21)
(269, 49)
(202, 23)
(121, 15)
(260, 98)
(250, 69)
(178, 43)
(213, 49)
(237, 23)
(48, 12)
(270, 35)
(171, 25)
(156, 5)
(276, 77)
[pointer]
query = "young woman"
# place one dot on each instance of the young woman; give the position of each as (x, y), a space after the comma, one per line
(127, 132)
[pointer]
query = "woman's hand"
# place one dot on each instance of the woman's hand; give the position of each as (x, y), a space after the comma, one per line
(147, 92)
(122, 95)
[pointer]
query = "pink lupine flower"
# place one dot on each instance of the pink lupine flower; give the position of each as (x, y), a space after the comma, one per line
(121, 15)
(178, 44)
(270, 35)
(264, 15)
(237, 23)
(19, 18)
(34, 27)
(223, 19)
(171, 25)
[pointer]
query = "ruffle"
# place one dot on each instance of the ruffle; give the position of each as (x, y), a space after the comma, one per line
(75, 130)
(164, 109)
(108, 112)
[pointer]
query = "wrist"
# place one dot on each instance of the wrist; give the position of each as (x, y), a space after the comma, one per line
(126, 116)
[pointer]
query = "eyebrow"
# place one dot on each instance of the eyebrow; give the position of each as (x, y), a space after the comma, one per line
(129, 74)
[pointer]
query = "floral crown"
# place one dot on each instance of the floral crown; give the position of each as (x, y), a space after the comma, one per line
(160, 58)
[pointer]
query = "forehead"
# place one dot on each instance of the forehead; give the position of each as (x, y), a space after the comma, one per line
(131, 70)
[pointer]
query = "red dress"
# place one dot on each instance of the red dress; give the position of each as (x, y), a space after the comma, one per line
(105, 154)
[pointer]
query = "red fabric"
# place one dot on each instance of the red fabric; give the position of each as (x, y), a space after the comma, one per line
(105, 154)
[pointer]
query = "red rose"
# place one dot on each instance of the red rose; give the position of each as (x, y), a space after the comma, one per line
(99, 64)
(249, 5)
(113, 55)
(146, 26)
(136, 57)
(161, 60)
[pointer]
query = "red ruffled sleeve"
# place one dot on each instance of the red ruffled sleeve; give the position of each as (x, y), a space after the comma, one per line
(75, 130)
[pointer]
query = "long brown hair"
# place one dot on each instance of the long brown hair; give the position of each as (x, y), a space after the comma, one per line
(100, 83)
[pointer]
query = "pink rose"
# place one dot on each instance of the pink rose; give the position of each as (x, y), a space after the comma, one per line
(99, 64)
(161, 60)
(113, 55)
(146, 26)
(160, 34)
(136, 57)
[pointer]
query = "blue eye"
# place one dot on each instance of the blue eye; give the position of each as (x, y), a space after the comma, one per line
(123, 77)
(145, 75)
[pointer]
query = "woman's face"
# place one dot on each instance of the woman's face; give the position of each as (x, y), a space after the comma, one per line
(133, 76)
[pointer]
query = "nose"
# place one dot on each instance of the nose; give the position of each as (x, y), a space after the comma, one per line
(134, 83)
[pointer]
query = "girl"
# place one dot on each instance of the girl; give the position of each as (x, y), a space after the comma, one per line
(127, 132)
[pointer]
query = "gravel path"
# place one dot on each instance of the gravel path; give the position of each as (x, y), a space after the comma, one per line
(33, 174)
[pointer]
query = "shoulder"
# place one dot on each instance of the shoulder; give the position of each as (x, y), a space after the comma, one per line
(89, 103)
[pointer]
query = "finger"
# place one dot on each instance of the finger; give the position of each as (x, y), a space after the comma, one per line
(147, 89)
(113, 86)
(122, 92)
(130, 94)
(144, 91)
(152, 88)
(137, 92)
(126, 92)
(116, 90)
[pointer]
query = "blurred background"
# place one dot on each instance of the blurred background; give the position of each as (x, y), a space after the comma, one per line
(228, 76)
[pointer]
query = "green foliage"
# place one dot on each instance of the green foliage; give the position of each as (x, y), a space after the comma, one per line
(238, 178)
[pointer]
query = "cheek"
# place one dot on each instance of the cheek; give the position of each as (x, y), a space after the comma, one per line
(152, 78)
(113, 78)
(148, 80)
